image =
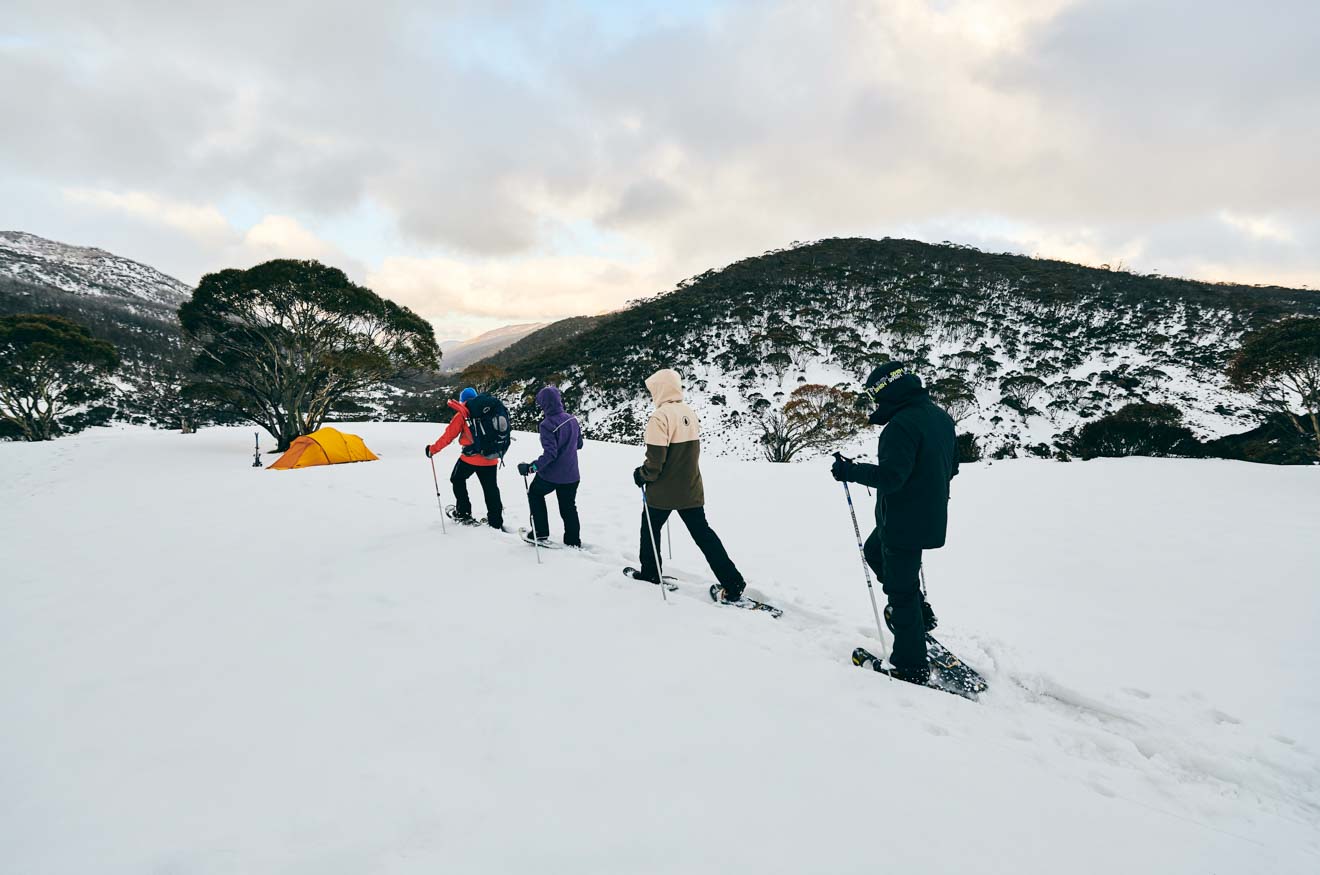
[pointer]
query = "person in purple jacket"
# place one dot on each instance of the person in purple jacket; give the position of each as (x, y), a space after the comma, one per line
(556, 470)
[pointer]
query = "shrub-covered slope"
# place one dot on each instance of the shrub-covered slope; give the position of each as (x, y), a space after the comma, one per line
(1023, 348)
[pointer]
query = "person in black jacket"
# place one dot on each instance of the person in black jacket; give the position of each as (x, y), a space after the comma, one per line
(917, 457)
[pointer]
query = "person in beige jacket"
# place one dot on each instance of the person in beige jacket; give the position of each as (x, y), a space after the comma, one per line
(671, 476)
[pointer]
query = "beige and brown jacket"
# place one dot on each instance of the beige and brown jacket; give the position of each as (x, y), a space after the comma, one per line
(672, 469)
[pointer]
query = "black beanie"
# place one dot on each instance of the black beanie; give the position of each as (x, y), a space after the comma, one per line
(885, 374)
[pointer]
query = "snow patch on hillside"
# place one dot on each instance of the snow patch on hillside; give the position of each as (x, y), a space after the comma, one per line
(727, 403)
(86, 271)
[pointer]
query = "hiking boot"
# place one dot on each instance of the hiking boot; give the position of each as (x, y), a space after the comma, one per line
(530, 539)
(732, 594)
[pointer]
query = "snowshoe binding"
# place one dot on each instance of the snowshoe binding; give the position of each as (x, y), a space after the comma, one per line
(720, 596)
(465, 519)
(533, 541)
(637, 575)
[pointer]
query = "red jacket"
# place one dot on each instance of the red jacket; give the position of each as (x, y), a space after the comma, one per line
(458, 428)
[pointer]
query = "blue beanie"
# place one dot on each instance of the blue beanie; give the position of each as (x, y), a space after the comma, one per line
(467, 395)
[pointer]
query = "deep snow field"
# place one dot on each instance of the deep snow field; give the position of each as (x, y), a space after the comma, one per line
(208, 668)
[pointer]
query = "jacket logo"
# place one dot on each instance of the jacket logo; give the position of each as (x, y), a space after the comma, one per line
(685, 421)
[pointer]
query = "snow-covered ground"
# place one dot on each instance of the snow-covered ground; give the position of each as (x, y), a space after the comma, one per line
(207, 668)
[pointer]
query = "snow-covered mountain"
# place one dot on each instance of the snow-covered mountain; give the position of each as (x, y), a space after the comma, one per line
(85, 270)
(458, 354)
(208, 668)
(131, 305)
(1020, 349)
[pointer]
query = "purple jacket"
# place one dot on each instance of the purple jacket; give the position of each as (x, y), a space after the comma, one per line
(561, 438)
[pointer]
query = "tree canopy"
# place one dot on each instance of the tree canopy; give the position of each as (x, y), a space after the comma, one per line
(285, 343)
(1280, 362)
(814, 417)
(49, 367)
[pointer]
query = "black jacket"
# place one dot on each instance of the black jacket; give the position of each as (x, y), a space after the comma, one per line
(917, 457)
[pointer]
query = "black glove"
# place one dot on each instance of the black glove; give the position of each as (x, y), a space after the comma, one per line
(842, 469)
(525, 468)
(428, 451)
(637, 477)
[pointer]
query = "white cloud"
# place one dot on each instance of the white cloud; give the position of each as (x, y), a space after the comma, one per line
(1173, 134)
(227, 245)
(201, 221)
(1258, 227)
(462, 297)
(284, 237)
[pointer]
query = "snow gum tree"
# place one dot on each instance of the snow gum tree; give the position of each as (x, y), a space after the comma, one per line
(286, 342)
(813, 417)
(51, 370)
(49, 367)
(1280, 363)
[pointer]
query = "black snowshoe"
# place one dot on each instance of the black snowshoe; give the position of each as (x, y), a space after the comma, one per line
(532, 541)
(465, 519)
(720, 596)
(637, 575)
(947, 672)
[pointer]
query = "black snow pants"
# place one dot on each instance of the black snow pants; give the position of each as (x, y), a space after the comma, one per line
(707, 541)
(567, 495)
(899, 572)
(490, 488)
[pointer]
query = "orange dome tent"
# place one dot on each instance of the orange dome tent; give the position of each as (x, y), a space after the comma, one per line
(325, 446)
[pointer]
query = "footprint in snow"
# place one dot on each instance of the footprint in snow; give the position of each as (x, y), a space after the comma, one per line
(1102, 789)
(1221, 718)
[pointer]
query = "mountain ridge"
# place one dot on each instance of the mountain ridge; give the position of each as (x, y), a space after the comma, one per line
(1026, 348)
(86, 270)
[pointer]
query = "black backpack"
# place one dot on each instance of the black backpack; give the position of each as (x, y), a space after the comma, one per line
(488, 419)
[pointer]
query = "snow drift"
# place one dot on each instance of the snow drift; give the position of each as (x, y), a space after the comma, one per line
(204, 670)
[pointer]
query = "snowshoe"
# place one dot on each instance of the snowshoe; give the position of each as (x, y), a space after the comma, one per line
(718, 595)
(947, 672)
(637, 575)
(466, 519)
(532, 541)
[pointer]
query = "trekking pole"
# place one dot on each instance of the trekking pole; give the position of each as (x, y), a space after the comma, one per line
(531, 520)
(655, 551)
(669, 536)
(438, 500)
(866, 570)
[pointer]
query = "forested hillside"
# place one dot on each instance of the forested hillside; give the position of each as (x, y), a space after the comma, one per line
(131, 305)
(1020, 349)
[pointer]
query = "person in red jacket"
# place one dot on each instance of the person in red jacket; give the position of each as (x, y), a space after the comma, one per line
(470, 463)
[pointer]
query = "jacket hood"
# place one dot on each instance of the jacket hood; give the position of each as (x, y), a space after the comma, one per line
(904, 391)
(550, 401)
(665, 386)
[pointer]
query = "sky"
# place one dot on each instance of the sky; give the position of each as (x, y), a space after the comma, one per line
(502, 161)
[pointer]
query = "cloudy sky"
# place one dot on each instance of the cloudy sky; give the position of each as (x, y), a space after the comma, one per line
(502, 161)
